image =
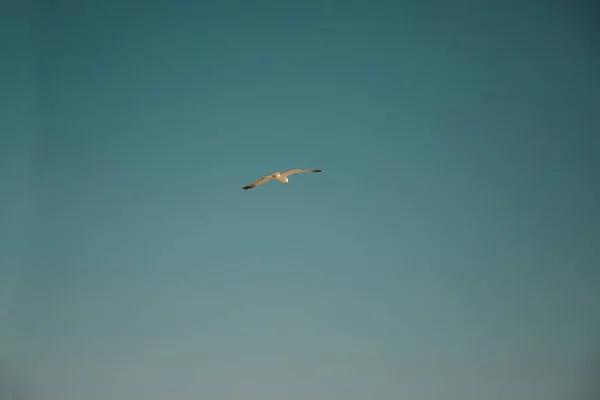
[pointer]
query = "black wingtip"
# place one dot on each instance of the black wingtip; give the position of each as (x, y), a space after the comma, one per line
(317, 170)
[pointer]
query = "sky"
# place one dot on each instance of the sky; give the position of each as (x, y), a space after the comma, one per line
(450, 248)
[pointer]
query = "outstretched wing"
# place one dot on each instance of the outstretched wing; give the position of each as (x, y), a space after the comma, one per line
(258, 182)
(295, 171)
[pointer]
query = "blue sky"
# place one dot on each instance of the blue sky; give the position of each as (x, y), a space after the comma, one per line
(450, 248)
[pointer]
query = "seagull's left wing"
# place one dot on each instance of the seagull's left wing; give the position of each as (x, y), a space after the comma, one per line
(258, 182)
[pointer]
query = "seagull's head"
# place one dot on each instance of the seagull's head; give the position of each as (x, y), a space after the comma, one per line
(276, 175)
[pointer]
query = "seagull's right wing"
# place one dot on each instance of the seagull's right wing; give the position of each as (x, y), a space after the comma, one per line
(258, 182)
(295, 171)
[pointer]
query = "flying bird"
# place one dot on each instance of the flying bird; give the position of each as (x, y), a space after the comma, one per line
(281, 177)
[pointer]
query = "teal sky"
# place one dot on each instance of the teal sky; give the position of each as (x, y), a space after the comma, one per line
(449, 250)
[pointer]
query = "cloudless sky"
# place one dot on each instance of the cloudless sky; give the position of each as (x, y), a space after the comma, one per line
(449, 250)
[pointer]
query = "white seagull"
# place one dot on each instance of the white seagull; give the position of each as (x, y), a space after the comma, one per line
(281, 177)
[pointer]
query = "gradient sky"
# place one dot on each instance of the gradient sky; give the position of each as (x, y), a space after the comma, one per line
(449, 250)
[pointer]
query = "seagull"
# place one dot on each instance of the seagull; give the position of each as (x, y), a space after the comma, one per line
(281, 177)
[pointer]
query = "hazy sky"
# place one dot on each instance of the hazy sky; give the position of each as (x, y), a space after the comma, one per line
(449, 250)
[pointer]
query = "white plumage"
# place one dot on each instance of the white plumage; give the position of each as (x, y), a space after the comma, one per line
(281, 177)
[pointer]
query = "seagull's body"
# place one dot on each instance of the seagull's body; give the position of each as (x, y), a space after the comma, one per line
(280, 176)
